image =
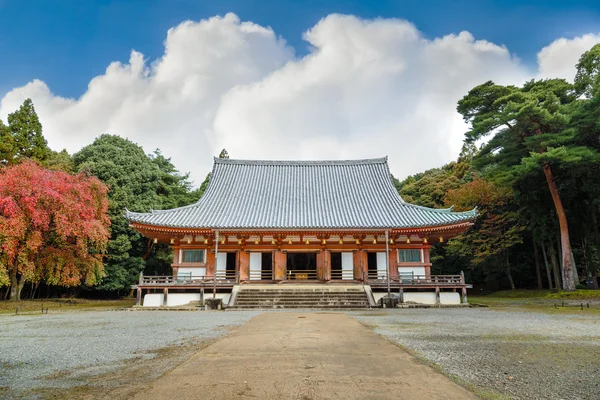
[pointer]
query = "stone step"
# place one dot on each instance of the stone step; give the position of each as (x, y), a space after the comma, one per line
(335, 307)
(302, 294)
(256, 295)
(301, 301)
(344, 297)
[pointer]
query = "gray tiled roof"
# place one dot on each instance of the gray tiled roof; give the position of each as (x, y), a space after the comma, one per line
(354, 194)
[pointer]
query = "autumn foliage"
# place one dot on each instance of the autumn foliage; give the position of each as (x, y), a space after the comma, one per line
(53, 227)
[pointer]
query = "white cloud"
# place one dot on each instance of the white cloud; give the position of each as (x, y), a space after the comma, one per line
(558, 59)
(367, 88)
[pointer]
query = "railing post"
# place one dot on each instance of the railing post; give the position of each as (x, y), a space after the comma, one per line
(141, 278)
(462, 277)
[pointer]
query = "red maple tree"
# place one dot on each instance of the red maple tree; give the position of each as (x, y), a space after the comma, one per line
(53, 227)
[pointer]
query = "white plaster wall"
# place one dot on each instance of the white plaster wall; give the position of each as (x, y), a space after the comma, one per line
(420, 297)
(181, 299)
(381, 266)
(407, 271)
(153, 300)
(449, 298)
(255, 265)
(424, 297)
(197, 272)
(347, 265)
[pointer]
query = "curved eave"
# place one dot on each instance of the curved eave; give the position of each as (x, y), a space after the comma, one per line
(177, 231)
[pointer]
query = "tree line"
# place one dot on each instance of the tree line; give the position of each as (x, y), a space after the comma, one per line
(37, 182)
(533, 179)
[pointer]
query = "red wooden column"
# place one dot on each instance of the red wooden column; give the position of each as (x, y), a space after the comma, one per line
(393, 257)
(427, 261)
(280, 265)
(210, 264)
(360, 264)
(324, 265)
(244, 265)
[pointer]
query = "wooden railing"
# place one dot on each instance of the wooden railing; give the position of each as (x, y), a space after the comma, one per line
(342, 274)
(301, 274)
(416, 280)
(184, 280)
(229, 278)
(260, 275)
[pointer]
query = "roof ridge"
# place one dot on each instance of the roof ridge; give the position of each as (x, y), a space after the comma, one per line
(365, 161)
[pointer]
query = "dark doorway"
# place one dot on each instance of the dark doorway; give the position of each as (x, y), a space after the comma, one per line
(336, 265)
(372, 264)
(302, 266)
(230, 266)
(266, 266)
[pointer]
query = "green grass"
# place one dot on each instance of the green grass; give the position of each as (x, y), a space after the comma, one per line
(56, 305)
(542, 301)
(576, 295)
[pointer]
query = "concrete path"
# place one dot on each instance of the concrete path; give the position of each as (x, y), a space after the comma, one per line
(303, 356)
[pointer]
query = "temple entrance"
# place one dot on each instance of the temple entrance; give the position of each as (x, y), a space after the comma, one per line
(230, 266)
(266, 267)
(301, 266)
(225, 266)
(261, 266)
(342, 265)
(376, 265)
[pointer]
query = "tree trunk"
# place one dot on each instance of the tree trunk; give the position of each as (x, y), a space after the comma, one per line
(510, 279)
(35, 288)
(555, 266)
(595, 227)
(575, 272)
(586, 260)
(14, 286)
(548, 272)
(538, 272)
(20, 286)
(568, 279)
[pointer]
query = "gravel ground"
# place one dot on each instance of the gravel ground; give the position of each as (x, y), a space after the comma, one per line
(518, 355)
(54, 350)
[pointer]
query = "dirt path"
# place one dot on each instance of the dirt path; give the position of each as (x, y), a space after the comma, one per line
(303, 356)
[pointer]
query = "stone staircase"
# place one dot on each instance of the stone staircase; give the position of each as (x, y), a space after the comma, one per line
(301, 296)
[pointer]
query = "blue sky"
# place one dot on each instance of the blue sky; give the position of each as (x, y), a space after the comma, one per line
(67, 42)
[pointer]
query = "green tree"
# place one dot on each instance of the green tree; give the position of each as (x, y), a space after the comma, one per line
(138, 182)
(530, 132)
(23, 138)
(587, 79)
(496, 230)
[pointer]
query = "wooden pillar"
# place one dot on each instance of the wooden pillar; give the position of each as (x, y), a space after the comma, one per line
(464, 295)
(244, 266)
(175, 255)
(426, 261)
(165, 296)
(437, 295)
(360, 264)
(280, 265)
(393, 256)
(401, 293)
(210, 264)
(324, 265)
